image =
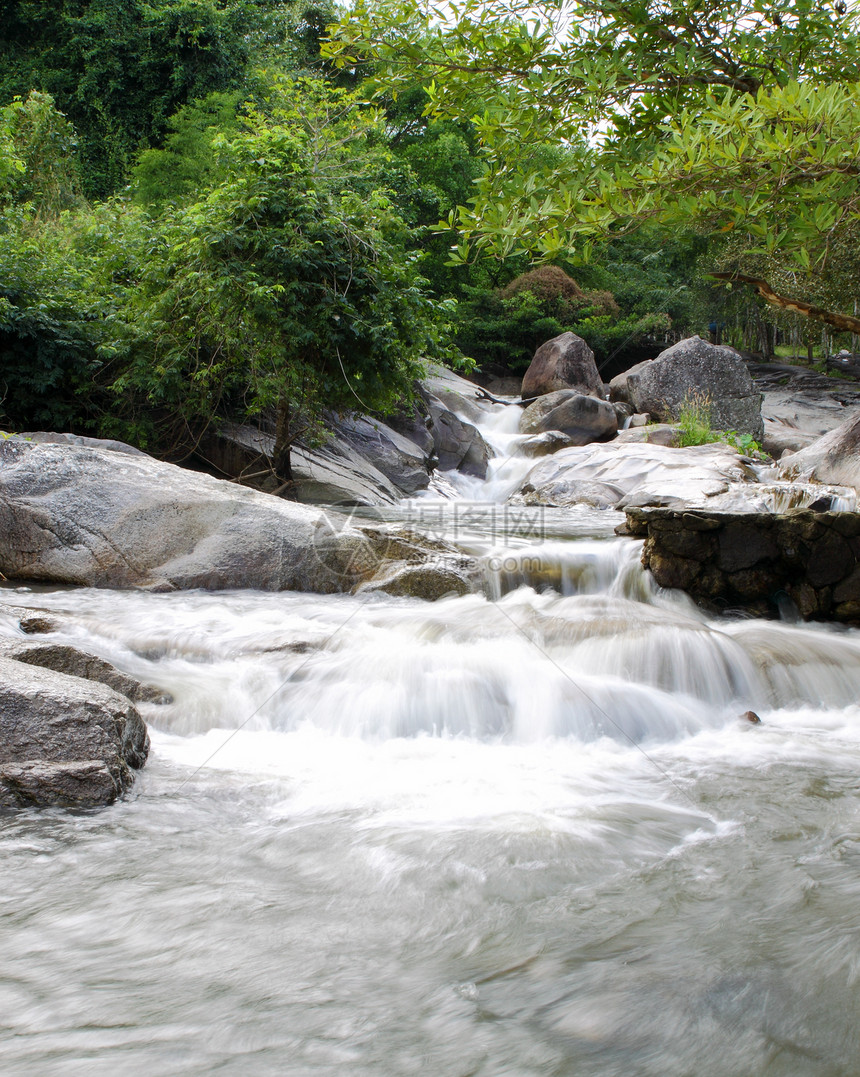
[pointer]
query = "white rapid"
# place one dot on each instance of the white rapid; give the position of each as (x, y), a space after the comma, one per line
(526, 832)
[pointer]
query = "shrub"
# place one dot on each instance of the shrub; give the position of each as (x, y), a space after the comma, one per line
(546, 283)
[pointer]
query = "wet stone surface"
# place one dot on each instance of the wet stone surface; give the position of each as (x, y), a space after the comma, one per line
(756, 561)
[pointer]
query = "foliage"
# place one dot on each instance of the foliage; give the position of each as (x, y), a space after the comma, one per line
(41, 159)
(547, 284)
(187, 162)
(731, 118)
(289, 284)
(120, 68)
(694, 421)
(62, 285)
(506, 328)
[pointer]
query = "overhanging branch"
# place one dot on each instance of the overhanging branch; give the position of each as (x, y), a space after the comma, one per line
(797, 306)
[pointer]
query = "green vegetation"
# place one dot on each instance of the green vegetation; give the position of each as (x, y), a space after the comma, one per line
(212, 212)
(739, 120)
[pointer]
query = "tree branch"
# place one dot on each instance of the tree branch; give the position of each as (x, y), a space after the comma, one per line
(797, 306)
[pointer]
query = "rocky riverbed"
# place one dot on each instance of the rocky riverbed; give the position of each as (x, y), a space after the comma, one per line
(78, 511)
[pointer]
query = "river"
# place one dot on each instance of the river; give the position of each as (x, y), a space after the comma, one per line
(522, 833)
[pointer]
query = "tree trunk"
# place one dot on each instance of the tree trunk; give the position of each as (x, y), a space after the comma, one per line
(843, 322)
(281, 452)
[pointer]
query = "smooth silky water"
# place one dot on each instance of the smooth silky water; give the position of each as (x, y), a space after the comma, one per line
(519, 833)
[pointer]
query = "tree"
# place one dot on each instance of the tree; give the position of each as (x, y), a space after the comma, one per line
(288, 285)
(41, 158)
(732, 118)
(118, 69)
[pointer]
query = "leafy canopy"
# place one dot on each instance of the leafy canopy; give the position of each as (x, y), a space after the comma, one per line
(723, 115)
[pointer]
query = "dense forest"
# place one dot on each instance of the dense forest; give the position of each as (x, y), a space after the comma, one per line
(257, 208)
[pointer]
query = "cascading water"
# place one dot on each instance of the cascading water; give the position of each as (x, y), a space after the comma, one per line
(525, 832)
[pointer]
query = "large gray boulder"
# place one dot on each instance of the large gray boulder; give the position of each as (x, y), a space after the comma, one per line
(582, 418)
(833, 458)
(331, 473)
(51, 437)
(64, 741)
(619, 390)
(443, 388)
(93, 517)
(610, 475)
(694, 368)
(400, 460)
(414, 422)
(459, 445)
(565, 362)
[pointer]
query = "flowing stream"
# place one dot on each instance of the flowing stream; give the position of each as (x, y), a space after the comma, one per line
(520, 833)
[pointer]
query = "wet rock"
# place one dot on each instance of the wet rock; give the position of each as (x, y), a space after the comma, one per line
(623, 412)
(395, 456)
(581, 418)
(545, 444)
(37, 623)
(67, 659)
(565, 362)
(752, 717)
(832, 458)
(429, 582)
(781, 439)
(64, 741)
(693, 366)
(606, 475)
(459, 445)
(756, 561)
(80, 515)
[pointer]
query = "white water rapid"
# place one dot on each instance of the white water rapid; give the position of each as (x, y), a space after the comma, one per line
(519, 834)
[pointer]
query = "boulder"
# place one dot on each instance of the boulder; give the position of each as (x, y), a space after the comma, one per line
(691, 368)
(400, 460)
(654, 434)
(64, 742)
(50, 437)
(504, 387)
(565, 362)
(415, 423)
(459, 445)
(63, 658)
(581, 418)
(623, 412)
(332, 473)
(544, 444)
(833, 458)
(429, 582)
(607, 475)
(96, 518)
(443, 388)
(619, 390)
